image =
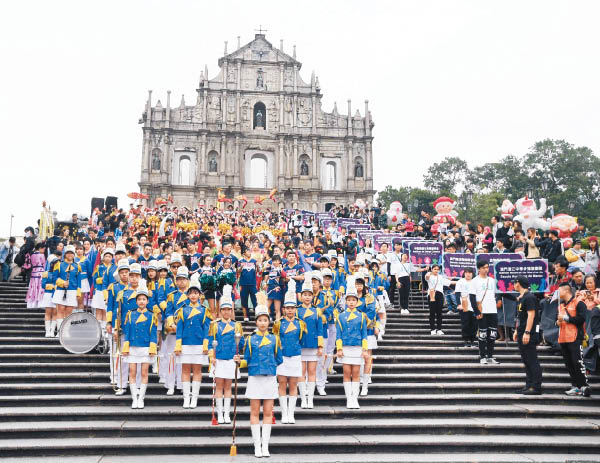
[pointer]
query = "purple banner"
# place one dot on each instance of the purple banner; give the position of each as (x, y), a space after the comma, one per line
(455, 263)
(359, 226)
(363, 235)
(493, 257)
(325, 223)
(409, 240)
(535, 270)
(425, 253)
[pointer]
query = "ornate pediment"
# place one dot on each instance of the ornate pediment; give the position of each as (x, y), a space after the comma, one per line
(260, 50)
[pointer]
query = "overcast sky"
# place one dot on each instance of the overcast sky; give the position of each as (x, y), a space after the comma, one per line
(475, 79)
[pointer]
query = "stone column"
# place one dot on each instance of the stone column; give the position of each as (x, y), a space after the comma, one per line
(224, 110)
(316, 161)
(350, 160)
(314, 114)
(236, 160)
(223, 152)
(367, 120)
(295, 159)
(168, 109)
(281, 157)
(349, 118)
(205, 108)
(368, 161)
(238, 106)
(281, 77)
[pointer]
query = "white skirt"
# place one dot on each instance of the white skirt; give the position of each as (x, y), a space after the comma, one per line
(192, 355)
(138, 355)
(352, 356)
(98, 300)
(309, 355)
(225, 369)
(291, 367)
(371, 342)
(69, 301)
(262, 387)
(85, 286)
(47, 301)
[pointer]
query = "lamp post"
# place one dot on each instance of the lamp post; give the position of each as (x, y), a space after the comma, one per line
(10, 230)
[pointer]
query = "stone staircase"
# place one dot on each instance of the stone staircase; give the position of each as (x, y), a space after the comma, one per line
(430, 400)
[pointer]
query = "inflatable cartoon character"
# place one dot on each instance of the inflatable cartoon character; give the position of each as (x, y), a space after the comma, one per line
(507, 209)
(394, 214)
(529, 216)
(564, 224)
(444, 207)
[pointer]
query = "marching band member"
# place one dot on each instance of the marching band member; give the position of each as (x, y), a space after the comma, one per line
(223, 331)
(332, 298)
(290, 330)
(140, 343)
(246, 272)
(262, 354)
(380, 285)
(125, 303)
(312, 342)
(351, 343)
(48, 284)
(367, 304)
(162, 288)
(191, 345)
(275, 285)
(122, 272)
(175, 301)
(100, 277)
(86, 272)
(208, 282)
(68, 285)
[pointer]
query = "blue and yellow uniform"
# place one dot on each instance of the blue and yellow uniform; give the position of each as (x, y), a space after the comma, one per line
(290, 334)
(163, 287)
(48, 281)
(223, 331)
(262, 354)
(192, 326)
(140, 330)
(351, 329)
(366, 304)
(67, 276)
(313, 319)
(379, 282)
(175, 300)
(125, 303)
(112, 292)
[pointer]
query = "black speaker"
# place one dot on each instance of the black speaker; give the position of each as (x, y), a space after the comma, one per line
(97, 203)
(111, 203)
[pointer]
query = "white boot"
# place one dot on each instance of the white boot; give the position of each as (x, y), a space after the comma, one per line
(142, 395)
(355, 388)
(47, 324)
(195, 393)
(219, 406)
(365, 385)
(187, 395)
(266, 435)
(311, 393)
(302, 390)
(52, 328)
(134, 395)
(227, 410)
(256, 438)
(283, 404)
(58, 325)
(171, 391)
(348, 392)
(291, 409)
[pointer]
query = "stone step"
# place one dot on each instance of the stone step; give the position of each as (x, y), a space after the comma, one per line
(283, 442)
(457, 398)
(385, 411)
(377, 390)
(378, 378)
(132, 427)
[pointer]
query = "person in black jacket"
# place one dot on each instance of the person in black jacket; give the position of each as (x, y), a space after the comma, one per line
(554, 248)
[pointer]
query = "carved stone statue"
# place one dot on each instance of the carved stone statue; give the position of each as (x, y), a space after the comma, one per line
(288, 110)
(259, 79)
(304, 167)
(259, 119)
(155, 161)
(358, 170)
(212, 164)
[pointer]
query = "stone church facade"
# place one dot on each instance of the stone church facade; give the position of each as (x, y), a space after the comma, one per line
(254, 127)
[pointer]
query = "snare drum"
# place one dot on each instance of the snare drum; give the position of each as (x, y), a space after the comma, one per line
(80, 333)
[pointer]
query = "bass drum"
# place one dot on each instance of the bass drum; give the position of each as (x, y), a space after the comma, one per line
(80, 333)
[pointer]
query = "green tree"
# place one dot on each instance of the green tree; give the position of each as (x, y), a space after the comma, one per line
(391, 194)
(481, 208)
(447, 176)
